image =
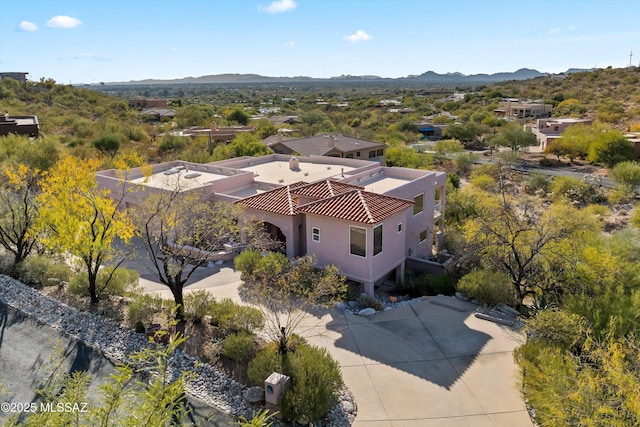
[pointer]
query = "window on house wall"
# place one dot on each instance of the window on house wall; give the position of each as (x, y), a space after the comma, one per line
(372, 154)
(400, 228)
(357, 154)
(377, 240)
(358, 241)
(379, 152)
(423, 235)
(419, 201)
(315, 234)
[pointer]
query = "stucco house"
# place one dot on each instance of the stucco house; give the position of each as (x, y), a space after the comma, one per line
(19, 125)
(548, 130)
(365, 218)
(332, 145)
(512, 109)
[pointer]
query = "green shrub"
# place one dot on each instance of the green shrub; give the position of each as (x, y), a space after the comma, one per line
(239, 346)
(488, 286)
(271, 265)
(545, 162)
(486, 169)
(42, 270)
(577, 191)
(197, 304)
(535, 182)
(266, 362)
(316, 383)
(315, 378)
(247, 261)
(123, 279)
(229, 316)
(484, 182)
(559, 327)
(263, 418)
(142, 308)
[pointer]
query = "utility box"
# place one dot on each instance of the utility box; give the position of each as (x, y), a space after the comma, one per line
(274, 388)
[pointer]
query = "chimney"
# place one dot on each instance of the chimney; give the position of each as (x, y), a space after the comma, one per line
(214, 127)
(294, 164)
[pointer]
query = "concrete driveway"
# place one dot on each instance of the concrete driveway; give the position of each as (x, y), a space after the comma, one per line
(421, 365)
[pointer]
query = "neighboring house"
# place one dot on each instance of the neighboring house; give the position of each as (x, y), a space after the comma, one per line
(19, 77)
(215, 133)
(512, 109)
(19, 125)
(147, 103)
(429, 130)
(548, 130)
(634, 137)
(157, 114)
(279, 120)
(365, 218)
(332, 145)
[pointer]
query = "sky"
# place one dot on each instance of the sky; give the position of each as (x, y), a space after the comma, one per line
(91, 41)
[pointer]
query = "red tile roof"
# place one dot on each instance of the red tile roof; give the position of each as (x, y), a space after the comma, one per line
(279, 200)
(324, 189)
(358, 206)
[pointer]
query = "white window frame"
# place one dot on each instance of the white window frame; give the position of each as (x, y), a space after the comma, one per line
(365, 241)
(315, 234)
(416, 204)
(374, 239)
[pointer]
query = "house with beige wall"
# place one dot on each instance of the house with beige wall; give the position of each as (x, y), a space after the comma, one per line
(550, 129)
(363, 217)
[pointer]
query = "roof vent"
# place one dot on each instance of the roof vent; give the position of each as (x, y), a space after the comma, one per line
(294, 164)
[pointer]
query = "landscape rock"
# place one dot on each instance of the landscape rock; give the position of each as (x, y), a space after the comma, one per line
(367, 311)
(117, 343)
(254, 395)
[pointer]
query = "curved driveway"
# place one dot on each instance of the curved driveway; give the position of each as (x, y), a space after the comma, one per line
(421, 365)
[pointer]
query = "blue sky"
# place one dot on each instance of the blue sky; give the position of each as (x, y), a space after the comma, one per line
(89, 41)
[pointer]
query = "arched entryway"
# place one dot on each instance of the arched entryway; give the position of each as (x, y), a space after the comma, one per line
(276, 234)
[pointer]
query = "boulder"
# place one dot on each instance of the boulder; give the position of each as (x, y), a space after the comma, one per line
(367, 311)
(254, 395)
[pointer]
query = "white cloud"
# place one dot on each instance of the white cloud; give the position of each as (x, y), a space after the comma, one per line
(279, 6)
(28, 26)
(290, 44)
(554, 30)
(572, 28)
(63, 21)
(358, 36)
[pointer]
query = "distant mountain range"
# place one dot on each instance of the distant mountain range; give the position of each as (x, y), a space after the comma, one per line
(430, 77)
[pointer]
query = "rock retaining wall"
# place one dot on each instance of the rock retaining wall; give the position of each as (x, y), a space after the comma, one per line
(117, 342)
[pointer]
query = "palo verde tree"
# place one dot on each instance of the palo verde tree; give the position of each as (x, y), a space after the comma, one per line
(181, 231)
(19, 188)
(532, 245)
(514, 137)
(78, 217)
(283, 290)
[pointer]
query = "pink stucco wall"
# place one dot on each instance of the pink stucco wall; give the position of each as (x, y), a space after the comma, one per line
(334, 247)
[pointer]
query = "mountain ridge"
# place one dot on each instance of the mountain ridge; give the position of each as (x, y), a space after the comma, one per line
(426, 77)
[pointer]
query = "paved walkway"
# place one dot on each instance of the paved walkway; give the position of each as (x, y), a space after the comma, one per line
(422, 365)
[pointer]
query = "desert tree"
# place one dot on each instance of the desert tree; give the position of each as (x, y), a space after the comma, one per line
(182, 231)
(82, 219)
(19, 188)
(514, 137)
(533, 245)
(285, 290)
